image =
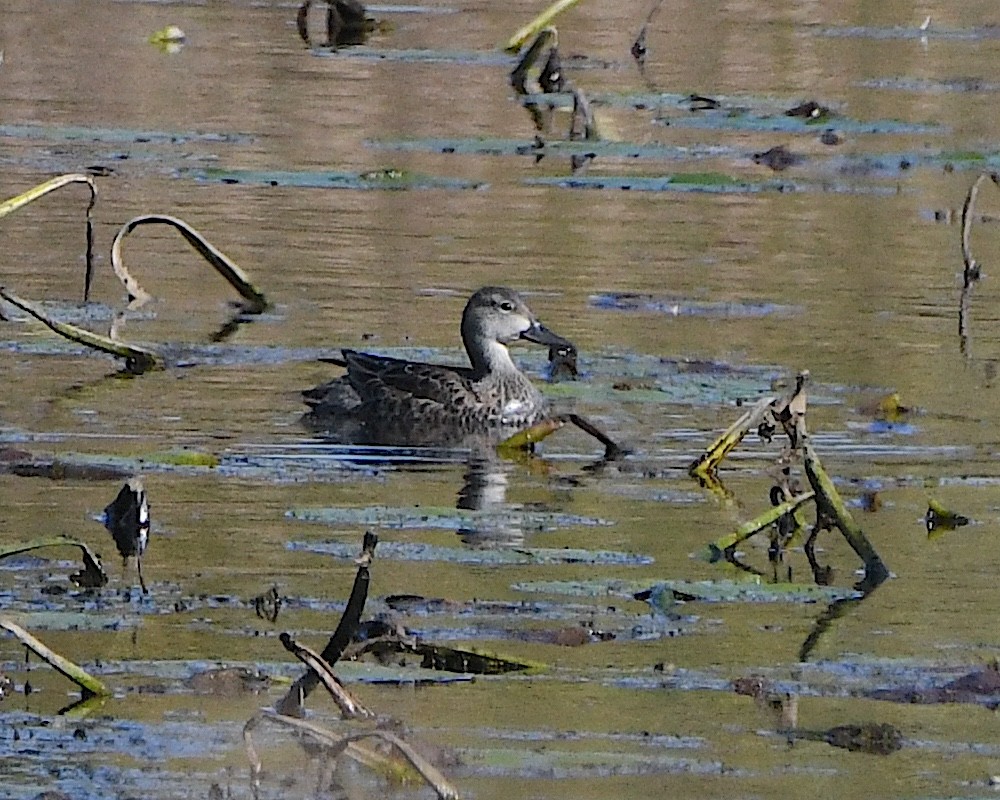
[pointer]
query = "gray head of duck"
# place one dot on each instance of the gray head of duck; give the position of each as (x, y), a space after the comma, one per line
(493, 318)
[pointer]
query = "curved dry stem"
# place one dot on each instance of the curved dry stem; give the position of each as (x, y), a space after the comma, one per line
(137, 359)
(42, 189)
(971, 273)
(91, 575)
(256, 302)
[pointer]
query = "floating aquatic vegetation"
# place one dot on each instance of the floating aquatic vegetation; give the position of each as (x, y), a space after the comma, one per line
(414, 551)
(665, 595)
(63, 133)
(918, 32)
(683, 307)
(386, 180)
(441, 518)
(930, 86)
(711, 183)
(597, 587)
(169, 40)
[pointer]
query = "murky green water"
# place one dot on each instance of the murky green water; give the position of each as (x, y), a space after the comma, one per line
(681, 269)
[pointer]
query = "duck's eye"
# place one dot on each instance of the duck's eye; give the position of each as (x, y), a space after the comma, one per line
(506, 305)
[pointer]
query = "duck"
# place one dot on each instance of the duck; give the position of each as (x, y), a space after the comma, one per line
(391, 401)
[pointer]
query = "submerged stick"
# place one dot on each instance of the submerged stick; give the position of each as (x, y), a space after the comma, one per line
(89, 684)
(42, 189)
(517, 41)
(236, 277)
(137, 359)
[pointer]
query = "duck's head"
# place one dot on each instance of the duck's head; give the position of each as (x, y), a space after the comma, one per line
(496, 315)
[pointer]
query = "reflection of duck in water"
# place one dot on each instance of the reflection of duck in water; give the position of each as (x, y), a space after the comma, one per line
(390, 401)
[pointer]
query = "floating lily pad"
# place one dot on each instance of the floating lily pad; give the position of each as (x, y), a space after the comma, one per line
(722, 120)
(117, 135)
(915, 32)
(379, 179)
(612, 587)
(703, 182)
(431, 517)
(680, 307)
(415, 551)
(665, 594)
(567, 764)
(519, 147)
(87, 620)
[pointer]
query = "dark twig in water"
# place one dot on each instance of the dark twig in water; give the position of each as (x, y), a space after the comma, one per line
(638, 49)
(583, 113)
(971, 272)
(291, 704)
(9, 206)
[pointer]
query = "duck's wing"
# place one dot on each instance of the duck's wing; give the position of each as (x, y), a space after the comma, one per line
(384, 380)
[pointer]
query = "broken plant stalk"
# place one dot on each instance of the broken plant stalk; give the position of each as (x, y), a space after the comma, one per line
(137, 359)
(759, 523)
(89, 684)
(708, 464)
(830, 507)
(516, 42)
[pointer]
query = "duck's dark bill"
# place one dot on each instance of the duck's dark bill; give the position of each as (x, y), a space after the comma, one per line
(540, 334)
